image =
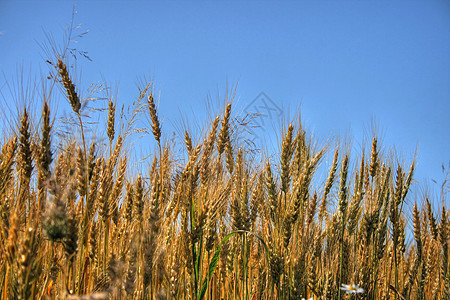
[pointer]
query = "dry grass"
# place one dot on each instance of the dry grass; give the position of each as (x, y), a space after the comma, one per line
(78, 222)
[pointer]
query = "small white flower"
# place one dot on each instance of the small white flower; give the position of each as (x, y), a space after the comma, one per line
(352, 289)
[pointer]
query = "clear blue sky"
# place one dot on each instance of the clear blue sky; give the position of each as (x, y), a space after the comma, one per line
(346, 62)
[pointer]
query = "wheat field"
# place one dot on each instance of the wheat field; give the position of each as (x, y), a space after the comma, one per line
(211, 221)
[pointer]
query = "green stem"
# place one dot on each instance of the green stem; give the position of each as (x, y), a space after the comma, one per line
(396, 268)
(83, 225)
(194, 250)
(207, 279)
(245, 262)
(341, 255)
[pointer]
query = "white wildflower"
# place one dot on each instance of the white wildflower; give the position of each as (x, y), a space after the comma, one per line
(352, 289)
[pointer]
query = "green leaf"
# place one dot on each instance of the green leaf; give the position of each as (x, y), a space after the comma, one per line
(215, 258)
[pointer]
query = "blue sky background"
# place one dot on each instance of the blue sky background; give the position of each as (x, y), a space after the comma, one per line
(346, 64)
